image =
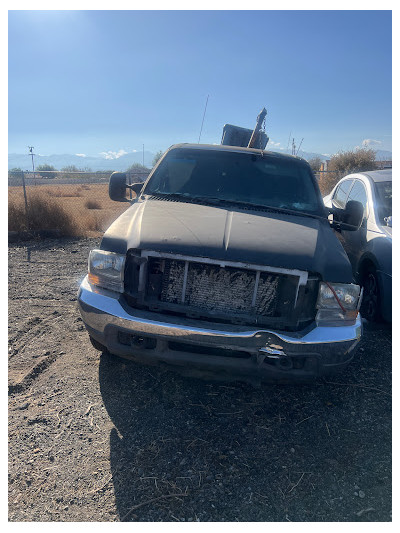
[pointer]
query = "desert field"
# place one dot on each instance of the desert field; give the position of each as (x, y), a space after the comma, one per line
(83, 210)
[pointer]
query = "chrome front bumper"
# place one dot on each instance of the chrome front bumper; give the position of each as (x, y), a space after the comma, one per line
(175, 340)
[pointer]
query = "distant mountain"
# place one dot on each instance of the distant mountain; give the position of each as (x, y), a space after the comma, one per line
(59, 161)
(306, 155)
(122, 163)
(383, 155)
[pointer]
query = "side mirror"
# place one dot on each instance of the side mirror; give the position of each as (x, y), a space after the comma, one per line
(353, 215)
(117, 187)
(348, 219)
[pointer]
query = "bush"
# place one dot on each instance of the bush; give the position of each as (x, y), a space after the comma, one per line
(46, 171)
(156, 158)
(315, 163)
(137, 167)
(344, 163)
(92, 204)
(15, 173)
(44, 214)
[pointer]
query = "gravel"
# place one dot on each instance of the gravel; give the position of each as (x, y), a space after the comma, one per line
(96, 438)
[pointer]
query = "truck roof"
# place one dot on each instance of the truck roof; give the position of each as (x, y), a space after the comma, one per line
(239, 149)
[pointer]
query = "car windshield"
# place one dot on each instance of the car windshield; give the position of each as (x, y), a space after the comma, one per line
(384, 193)
(244, 178)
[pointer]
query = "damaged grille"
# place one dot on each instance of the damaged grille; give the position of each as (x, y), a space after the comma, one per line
(205, 289)
(219, 290)
(235, 293)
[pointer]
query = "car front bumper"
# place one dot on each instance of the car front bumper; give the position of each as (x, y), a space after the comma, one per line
(213, 349)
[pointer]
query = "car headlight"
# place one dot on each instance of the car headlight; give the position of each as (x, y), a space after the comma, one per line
(337, 303)
(106, 269)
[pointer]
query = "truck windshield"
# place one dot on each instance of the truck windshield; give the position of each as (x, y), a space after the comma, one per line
(255, 179)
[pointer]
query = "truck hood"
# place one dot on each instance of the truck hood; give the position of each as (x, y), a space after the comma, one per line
(231, 234)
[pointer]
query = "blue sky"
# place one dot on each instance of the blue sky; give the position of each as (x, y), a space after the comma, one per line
(92, 82)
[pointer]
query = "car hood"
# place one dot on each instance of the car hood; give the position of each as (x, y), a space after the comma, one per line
(231, 234)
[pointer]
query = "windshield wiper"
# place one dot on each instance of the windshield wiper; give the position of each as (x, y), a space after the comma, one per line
(213, 200)
(261, 207)
(174, 195)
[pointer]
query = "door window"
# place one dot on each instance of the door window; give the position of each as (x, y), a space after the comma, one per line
(339, 198)
(359, 194)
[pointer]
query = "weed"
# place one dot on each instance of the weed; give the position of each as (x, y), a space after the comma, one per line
(43, 214)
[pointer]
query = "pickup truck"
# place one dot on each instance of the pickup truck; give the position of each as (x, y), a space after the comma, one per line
(226, 265)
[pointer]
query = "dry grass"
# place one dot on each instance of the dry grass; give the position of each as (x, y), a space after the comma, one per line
(67, 208)
(67, 192)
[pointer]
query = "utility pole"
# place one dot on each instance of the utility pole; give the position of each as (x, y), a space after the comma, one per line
(143, 156)
(24, 188)
(33, 163)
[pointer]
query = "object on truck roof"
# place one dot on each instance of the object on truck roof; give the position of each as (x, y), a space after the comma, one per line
(237, 136)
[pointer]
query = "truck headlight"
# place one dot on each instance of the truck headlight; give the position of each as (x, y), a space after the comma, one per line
(337, 303)
(106, 269)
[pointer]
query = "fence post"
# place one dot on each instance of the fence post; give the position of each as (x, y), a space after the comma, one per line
(26, 201)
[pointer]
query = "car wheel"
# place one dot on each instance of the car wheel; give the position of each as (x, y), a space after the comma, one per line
(370, 306)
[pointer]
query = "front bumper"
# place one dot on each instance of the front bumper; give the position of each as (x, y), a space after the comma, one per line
(208, 348)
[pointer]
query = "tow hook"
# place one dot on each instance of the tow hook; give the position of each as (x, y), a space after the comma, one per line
(283, 361)
(273, 352)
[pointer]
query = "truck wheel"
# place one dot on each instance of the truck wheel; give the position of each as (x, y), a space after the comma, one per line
(371, 304)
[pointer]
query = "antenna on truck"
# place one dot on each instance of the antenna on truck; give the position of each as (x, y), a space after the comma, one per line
(202, 122)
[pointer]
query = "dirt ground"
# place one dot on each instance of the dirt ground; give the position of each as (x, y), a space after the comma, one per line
(97, 438)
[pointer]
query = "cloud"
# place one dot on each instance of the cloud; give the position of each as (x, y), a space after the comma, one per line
(274, 145)
(113, 155)
(371, 142)
(81, 155)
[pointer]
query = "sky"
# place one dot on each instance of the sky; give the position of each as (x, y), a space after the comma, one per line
(108, 82)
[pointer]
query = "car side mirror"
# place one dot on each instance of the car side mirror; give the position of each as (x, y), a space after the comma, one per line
(348, 219)
(353, 215)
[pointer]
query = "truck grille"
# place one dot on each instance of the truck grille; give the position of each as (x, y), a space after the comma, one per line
(206, 289)
(219, 290)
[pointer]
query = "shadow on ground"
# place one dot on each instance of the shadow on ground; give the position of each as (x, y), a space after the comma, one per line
(185, 450)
